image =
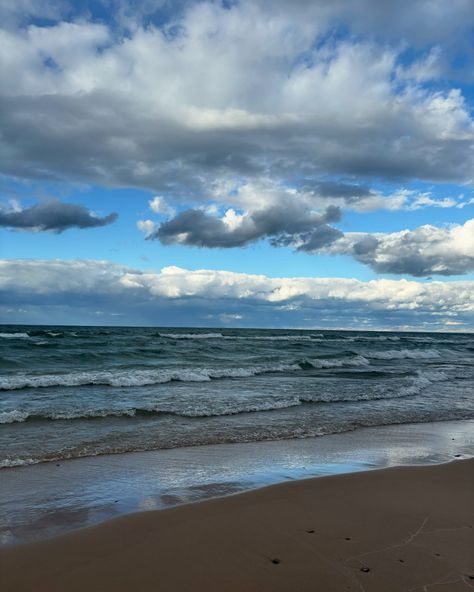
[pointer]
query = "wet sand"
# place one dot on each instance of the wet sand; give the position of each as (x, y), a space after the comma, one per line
(49, 499)
(406, 528)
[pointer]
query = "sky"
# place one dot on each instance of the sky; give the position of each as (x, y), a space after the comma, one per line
(305, 164)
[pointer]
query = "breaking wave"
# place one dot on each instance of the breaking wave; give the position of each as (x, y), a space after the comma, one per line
(344, 363)
(14, 335)
(211, 409)
(138, 377)
(404, 354)
(191, 335)
(316, 336)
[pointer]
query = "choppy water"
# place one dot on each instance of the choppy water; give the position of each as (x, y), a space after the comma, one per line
(77, 391)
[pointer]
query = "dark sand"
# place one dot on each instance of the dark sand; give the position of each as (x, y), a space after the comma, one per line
(408, 528)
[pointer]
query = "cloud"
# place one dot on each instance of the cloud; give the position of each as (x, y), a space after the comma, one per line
(146, 226)
(289, 221)
(159, 206)
(53, 216)
(71, 290)
(16, 12)
(246, 89)
(265, 192)
(284, 225)
(424, 251)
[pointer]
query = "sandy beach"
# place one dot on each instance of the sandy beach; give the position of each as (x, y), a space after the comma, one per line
(406, 528)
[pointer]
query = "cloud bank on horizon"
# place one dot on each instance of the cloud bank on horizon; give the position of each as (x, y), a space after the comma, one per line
(330, 128)
(103, 291)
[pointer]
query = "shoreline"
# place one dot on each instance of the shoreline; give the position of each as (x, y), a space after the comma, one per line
(49, 499)
(394, 529)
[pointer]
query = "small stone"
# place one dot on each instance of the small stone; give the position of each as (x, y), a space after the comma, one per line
(365, 569)
(347, 539)
(311, 531)
(276, 561)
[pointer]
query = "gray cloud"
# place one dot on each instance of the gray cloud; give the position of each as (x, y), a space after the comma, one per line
(424, 251)
(172, 112)
(285, 224)
(346, 191)
(53, 216)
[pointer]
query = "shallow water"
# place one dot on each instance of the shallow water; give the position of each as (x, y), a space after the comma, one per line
(51, 498)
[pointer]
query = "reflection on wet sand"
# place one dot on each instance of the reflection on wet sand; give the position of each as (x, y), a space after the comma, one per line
(48, 499)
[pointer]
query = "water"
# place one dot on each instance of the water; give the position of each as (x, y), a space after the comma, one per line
(68, 392)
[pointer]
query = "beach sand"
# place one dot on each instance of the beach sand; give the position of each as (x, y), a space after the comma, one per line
(407, 528)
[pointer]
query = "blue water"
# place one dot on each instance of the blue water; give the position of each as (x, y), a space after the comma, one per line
(79, 391)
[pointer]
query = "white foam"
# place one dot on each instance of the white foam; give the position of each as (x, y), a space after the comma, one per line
(252, 371)
(401, 354)
(192, 335)
(13, 416)
(137, 378)
(17, 416)
(422, 381)
(377, 338)
(315, 337)
(8, 463)
(14, 335)
(214, 409)
(273, 337)
(235, 408)
(90, 414)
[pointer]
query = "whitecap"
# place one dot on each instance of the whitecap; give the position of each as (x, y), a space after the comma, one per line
(139, 377)
(191, 335)
(14, 335)
(400, 354)
(13, 416)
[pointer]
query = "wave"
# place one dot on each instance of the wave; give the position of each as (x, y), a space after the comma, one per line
(17, 416)
(31, 334)
(191, 335)
(138, 377)
(364, 338)
(9, 463)
(292, 432)
(401, 354)
(276, 337)
(14, 416)
(348, 362)
(14, 335)
(45, 333)
(312, 337)
(235, 407)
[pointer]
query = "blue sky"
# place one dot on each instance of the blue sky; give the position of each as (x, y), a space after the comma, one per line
(257, 143)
